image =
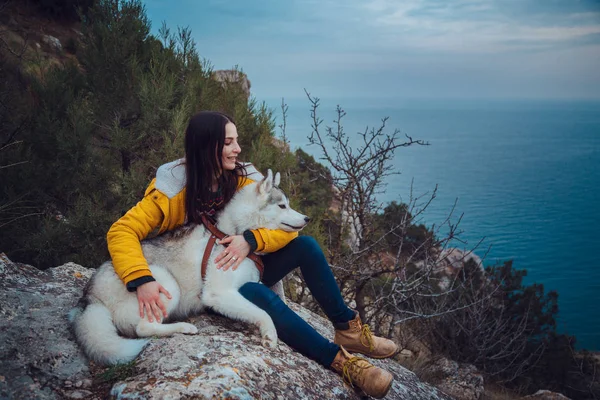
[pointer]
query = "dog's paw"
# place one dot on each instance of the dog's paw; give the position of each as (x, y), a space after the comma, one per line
(268, 334)
(189, 329)
(270, 342)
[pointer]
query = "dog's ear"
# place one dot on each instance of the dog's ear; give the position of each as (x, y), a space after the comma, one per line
(277, 179)
(266, 184)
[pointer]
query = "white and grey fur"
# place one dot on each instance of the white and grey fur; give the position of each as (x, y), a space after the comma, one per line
(106, 321)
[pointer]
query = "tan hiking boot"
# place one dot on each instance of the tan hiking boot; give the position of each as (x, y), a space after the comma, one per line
(358, 338)
(358, 372)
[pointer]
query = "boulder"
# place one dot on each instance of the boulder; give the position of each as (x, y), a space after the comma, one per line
(53, 42)
(546, 395)
(226, 360)
(461, 381)
(37, 352)
(453, 259)
(231, 76)
(39, 358)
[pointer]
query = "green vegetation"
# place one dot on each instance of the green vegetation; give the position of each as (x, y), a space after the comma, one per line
(407, 243)
(509, 332)
(65, 10)
(117, 372)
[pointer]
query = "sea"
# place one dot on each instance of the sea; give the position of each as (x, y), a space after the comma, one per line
(523, 176)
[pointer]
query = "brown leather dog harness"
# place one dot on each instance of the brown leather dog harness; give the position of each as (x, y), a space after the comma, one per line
(217, 234)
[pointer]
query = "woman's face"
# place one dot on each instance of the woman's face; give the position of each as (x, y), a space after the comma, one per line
(231, 148)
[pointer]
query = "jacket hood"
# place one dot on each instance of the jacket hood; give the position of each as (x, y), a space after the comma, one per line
(170, 177)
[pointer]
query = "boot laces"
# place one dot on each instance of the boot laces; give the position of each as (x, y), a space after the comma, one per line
(353, 367)
(367, 336)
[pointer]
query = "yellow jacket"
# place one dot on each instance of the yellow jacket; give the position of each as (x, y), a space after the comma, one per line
(163, 209)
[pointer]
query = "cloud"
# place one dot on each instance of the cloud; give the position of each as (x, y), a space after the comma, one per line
(450, 47)
(479, 26)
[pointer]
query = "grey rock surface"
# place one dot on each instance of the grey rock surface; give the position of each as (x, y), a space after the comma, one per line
(37, 351)
(461, 381)
(546, 395)
(39, 358)
(229, 76)
(52, 42)
(226, 360)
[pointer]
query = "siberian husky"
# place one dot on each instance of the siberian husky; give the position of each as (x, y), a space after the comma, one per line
(108, 313)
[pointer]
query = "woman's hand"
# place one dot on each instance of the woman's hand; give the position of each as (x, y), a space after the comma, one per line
(149, 300)
(234, 254)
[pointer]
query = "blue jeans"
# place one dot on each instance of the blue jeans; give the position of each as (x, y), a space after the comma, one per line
(303, 252)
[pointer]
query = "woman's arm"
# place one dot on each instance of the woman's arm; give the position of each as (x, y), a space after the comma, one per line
(125, 235)
(271, 240)
(124, 245)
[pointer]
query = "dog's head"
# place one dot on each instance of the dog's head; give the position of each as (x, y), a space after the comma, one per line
(275, 208)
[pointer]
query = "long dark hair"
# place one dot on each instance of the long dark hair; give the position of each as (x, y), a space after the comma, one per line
(204, 140)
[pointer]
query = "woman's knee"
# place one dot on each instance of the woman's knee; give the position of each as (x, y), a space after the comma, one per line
(307, 245)
(259, 294)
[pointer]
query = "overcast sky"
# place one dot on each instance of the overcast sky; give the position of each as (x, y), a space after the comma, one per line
(398, 49)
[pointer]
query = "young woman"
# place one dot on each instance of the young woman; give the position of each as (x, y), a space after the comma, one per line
(204, 182)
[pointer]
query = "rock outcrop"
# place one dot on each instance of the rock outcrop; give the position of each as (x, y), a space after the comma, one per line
(226, 359)
(37, 351)
(453, 259)
(39, 358)
(228, 77)
(52, 42)
(546, 395)
(462, 381)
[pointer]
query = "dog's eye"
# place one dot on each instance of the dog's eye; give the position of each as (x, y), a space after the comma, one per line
(282, 206)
